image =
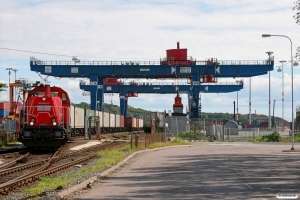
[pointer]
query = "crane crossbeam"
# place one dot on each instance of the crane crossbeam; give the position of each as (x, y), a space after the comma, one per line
(161, 89)
(167, 89)
(145, 69)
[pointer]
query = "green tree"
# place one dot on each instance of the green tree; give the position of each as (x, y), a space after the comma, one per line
(297, 18)
(2, 87)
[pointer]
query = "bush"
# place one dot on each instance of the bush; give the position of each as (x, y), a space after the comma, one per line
(191, 135)
(297, 136)
(273, 137)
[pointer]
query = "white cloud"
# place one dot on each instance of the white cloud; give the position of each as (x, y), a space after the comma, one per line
(138, 30)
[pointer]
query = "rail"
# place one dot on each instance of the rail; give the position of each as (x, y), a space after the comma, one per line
(154, 63)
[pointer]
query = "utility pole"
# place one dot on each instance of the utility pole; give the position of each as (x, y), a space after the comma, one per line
(282, 121)
(250, 122)
(273, 118)
(269, 120)
(15, 92)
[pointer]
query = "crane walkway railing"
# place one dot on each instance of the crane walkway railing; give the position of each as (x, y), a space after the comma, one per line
(150, 63)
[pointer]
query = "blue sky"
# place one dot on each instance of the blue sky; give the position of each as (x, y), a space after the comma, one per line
(143, 30)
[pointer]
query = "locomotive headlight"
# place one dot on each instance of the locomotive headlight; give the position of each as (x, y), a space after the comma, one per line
(31, 121)
(57, 134)
(27, 133)
(53, 122)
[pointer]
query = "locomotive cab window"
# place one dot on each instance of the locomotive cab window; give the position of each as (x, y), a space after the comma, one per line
(54, 93)
(64, 98)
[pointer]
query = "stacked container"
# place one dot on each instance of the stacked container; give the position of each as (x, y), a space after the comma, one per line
(4, 110)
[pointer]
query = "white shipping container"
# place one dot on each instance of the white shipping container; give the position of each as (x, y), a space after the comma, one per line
(133, 122)
(142, 123)
(112, 120)
(118, 121)
(105, 119)
(79, 117)
(72, 116)
(99, 114)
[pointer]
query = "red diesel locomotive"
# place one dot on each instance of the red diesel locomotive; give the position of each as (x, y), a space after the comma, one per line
(45, 118)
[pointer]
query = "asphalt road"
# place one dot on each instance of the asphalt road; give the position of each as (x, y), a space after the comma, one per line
(206, 171)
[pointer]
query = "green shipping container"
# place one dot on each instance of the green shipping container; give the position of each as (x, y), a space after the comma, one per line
(90, 113)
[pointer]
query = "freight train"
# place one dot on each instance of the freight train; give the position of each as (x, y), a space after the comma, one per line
(48, 120)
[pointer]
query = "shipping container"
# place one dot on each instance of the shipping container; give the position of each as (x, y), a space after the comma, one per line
(77, 117)
(121, 121)
(4, 105)
(264, 124)
(137, 122)
(105, 119)
(128, 122)
(141, 123)
(4, 113)
(246, 125)
(112, 120)
(133, 122)
(118, 124)
(99, 114)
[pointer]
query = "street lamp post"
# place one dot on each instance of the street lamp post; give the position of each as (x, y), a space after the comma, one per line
(15, 70)
(269, 120)
(9, 73)
(282, 122)
(269, 35)
(250, 102)
(237, 105)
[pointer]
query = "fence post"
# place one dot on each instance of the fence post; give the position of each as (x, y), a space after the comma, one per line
(131, 140)
(136, 140)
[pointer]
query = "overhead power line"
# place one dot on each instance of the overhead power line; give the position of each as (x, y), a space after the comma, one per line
(52, 54)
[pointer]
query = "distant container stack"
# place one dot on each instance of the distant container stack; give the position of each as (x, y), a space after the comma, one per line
(4, 110)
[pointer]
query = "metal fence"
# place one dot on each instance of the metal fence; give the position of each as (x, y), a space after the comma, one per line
(144, 140)
(247, 134)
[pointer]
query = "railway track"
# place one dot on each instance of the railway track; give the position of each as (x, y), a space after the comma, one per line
(56, 163)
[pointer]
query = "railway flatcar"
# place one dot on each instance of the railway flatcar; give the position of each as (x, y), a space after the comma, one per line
(45, 118)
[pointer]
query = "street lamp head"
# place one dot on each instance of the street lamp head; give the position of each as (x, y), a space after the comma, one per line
(266, 35)
(279, 69)
(269, 53)
(8, 68)
(282, 61)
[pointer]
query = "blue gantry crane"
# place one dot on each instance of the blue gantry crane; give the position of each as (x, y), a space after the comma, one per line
(176, 64)
(132, 88)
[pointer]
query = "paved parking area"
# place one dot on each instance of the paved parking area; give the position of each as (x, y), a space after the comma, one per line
(206, 171)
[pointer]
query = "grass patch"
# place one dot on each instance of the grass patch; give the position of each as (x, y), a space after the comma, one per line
(275, 137)
(106, 159)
